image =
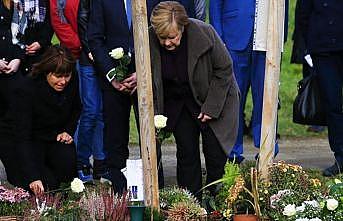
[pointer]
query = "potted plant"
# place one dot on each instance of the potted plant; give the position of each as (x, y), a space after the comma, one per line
(249, 201)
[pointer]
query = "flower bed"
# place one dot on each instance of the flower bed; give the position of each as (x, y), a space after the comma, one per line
(291, 194)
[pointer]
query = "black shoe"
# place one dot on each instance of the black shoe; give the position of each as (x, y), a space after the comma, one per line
(100, 169)
(118, 181)
(333, 170)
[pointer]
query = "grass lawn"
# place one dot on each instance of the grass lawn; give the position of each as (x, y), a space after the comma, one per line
(290, 75)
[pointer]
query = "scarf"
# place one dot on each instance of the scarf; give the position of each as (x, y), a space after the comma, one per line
(61, 4)
(24, 11)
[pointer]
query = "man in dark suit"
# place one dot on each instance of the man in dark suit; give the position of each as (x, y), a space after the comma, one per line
(322, 28)
(234, 22)
(110, 27)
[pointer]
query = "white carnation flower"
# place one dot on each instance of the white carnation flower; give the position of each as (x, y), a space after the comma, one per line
(315, 219)
(331, 204)
(77, 185)
(302, 219)
(289, 210)
(160, 121)
(117, 53)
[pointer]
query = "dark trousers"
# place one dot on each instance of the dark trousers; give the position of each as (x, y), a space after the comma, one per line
(330, 72)
(56, 163)
(186, 133)
(117, 107)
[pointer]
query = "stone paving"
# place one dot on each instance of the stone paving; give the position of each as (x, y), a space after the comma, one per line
(308, 152)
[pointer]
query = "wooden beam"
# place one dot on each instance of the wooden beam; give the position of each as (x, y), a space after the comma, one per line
(271, 84)
(145, 101)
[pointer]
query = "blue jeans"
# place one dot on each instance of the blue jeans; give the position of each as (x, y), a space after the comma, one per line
(249, 68)
(89, 137)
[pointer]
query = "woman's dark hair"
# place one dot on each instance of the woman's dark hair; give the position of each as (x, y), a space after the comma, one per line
(56, 59)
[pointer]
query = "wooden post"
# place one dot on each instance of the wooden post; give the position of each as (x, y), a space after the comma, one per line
(271, 84)
(145, 101)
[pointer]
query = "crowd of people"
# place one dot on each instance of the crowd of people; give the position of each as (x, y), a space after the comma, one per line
(59, 109)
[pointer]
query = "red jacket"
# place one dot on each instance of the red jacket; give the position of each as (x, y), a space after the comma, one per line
(67, 32)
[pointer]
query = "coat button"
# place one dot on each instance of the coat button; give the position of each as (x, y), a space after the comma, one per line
(3, 38)
(325, 4)
(2, 17)
(4, 59)
(330, 22)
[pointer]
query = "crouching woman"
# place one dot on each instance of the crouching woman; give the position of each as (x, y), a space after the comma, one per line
(195, 88)
(46, 115)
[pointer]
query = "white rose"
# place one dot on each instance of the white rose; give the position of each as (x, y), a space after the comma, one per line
(160, 121)
(331, 204)
(117, 53)
(289, 210)
(77, 185)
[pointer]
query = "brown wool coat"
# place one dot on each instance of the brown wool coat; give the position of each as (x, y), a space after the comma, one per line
(211, 79)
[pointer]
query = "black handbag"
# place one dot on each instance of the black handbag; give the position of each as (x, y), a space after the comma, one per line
(308, 106)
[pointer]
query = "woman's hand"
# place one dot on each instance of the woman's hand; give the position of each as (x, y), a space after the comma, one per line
(33, 48)
(64, 138)
(13, 66)
(204, 117)
(3, 66)
(37, 187)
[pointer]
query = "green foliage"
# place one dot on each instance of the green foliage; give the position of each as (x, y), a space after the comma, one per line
(156, 215)
(10, 209)
(172, 195)
(232, 170)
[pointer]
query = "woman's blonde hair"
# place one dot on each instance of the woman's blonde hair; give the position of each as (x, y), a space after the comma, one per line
(7, 3)
(167, 16)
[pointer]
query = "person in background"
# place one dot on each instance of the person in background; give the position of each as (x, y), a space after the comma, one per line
(322, 28)
(31, 30)
(90, 130)
(46, 114)
(10, 58)
(298, 56)
(194, 8)
(234, 21)
(63, 16)
(105, 33)
(194, 87)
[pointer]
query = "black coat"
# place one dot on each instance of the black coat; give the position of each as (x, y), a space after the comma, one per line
(322, 25)
(107, 30)
(40, 32)
(40, 114)
(8, 51)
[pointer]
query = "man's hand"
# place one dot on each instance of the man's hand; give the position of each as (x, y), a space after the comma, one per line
(64, 138)
(32, 48)
(131, 83)
(37, 187)
(3, 66)
(204, 117)
(119, 86)
(13, 66)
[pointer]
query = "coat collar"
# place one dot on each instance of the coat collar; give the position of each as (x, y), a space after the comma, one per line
(198, 43)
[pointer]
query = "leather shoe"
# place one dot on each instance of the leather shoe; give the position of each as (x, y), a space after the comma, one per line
(118, 180)
(333, 170)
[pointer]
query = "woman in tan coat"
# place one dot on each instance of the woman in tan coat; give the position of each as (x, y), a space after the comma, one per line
(195, 88)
